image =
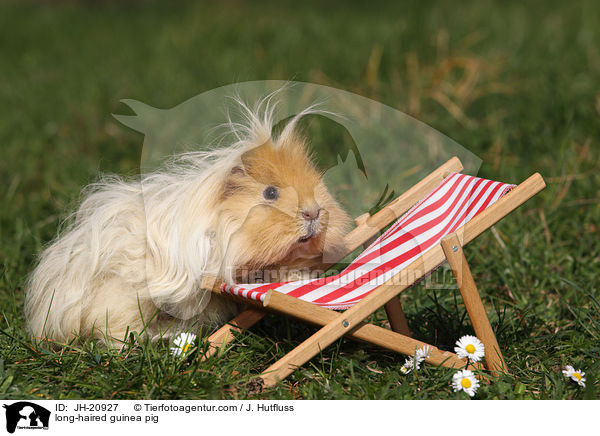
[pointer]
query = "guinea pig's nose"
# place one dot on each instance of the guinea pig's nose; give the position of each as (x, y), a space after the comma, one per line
(311, 214)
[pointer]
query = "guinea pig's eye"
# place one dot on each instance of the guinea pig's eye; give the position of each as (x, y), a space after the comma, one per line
(271, 193)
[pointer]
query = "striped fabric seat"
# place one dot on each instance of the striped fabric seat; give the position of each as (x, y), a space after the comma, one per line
(447, 208)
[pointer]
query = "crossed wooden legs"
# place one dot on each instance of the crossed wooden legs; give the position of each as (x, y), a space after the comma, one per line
(395, 340)
(313, 314)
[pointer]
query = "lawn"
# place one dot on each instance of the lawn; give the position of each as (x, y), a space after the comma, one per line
(517, 84)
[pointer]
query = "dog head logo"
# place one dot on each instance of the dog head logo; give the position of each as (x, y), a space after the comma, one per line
(269, 209)
(24, 414)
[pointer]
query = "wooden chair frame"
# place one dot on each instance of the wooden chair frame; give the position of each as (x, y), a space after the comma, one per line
(350, 322)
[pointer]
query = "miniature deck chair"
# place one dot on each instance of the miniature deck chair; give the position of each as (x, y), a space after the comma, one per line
(439, 215)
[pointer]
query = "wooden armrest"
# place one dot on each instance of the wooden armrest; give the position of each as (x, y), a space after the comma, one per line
(369, 226)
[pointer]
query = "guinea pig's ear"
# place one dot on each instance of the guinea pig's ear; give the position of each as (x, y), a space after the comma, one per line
(232, 182)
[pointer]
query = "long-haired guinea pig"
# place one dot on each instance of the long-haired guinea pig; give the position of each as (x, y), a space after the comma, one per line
(134, 256)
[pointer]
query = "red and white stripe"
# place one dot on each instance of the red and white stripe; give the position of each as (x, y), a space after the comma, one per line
(447, 208)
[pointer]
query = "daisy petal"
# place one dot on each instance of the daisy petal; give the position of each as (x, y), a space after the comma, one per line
(183, 342)
(470, 347)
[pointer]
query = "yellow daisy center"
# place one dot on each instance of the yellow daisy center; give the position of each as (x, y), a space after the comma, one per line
(465, 383)
(577, 375)
(470, 348)
(186, 347)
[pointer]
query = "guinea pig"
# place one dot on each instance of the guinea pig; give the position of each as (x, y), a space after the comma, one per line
(136, 251)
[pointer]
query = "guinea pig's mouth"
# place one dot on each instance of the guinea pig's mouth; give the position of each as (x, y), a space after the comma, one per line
(311, 229)
(307, 237)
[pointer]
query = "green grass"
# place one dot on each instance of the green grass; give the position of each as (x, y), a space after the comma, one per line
(518, 85)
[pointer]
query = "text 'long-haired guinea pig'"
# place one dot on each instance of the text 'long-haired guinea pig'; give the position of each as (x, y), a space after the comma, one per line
(135, 252)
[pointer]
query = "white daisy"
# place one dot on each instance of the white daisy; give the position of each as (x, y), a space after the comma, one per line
(183, 343)
(409, 365)
(414, 362)
(471, 347)
(465, 380)
(576, 375)
(423, 353)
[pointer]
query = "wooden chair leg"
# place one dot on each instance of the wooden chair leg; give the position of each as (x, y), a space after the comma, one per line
(224, 335)
(395, 314)
(468, 290)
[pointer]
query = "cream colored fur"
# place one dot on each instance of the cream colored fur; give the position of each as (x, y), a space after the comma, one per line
(135, 251)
